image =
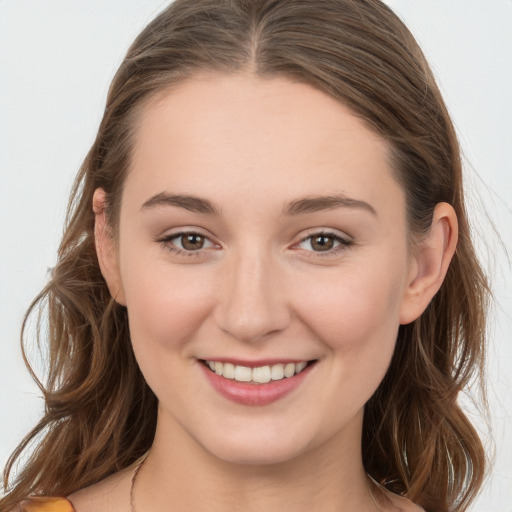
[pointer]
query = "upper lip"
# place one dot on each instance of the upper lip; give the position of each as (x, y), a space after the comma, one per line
(255, 363)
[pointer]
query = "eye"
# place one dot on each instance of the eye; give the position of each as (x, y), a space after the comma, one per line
(323, 242)
(191, 241)
(186, 243)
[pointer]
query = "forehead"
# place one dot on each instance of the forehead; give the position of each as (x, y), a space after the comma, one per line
(234, 134)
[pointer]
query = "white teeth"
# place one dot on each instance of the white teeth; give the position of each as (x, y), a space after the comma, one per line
(277, 372)
(229, 371)
(289, 370)
(300, 366)
(243, 374)
(259, 375)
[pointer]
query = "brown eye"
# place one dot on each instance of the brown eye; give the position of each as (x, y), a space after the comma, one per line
(187, 243)
(192, 241)
(322, 242)
(328, 243)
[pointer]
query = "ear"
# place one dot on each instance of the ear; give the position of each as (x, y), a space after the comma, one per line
(106, 249)
(431, 259)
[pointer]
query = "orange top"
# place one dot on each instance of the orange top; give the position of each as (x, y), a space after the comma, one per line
(45, 504)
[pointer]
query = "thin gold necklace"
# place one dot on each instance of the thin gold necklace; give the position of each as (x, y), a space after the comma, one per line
(379, 508)
(134, 477)
(141, 463)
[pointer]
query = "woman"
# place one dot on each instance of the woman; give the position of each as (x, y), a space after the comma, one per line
(266, 269)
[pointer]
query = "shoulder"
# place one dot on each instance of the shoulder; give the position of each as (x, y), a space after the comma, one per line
(108, 495)
(44, 504)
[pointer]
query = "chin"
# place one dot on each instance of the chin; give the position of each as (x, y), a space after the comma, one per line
(266, 447)
(254, 454)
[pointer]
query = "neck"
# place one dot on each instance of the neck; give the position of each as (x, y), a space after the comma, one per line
(179, 471)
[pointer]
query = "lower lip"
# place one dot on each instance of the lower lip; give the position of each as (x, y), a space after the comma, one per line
(255, 394)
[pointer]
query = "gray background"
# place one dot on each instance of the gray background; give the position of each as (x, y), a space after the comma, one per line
(57, 58)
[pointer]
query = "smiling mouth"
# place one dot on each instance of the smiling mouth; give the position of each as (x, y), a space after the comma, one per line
(257, 375)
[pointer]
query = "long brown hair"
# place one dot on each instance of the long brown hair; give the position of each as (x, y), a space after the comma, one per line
(100, 414)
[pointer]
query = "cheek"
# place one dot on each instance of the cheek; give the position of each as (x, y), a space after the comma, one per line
(165, 303)
(356, 317)
(356, 310)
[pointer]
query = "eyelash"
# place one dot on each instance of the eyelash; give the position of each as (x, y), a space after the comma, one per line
(344, 243)
(166, 243)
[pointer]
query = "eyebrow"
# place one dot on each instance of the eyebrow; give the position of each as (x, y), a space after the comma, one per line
(319, 203)
(188, 202)
(296, 207)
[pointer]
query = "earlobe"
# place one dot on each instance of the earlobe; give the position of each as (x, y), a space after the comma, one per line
(432, 258)
(106, 250)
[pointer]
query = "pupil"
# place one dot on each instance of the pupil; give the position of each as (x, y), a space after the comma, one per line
(322, 243)
(192, 242)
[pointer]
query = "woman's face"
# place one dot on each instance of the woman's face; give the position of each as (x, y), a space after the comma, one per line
(261, 226)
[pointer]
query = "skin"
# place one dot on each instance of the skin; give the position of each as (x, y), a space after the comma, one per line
(252, 147)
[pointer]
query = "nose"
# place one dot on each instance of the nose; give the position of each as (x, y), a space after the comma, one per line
(252, 302)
